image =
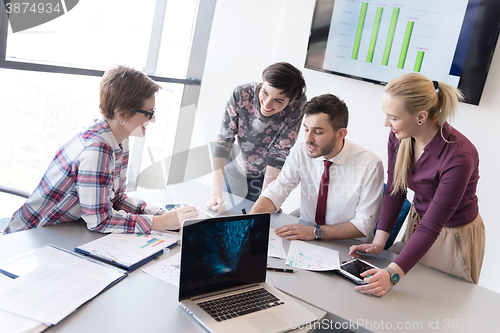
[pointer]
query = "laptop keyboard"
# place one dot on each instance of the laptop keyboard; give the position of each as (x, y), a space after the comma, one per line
(228, 307)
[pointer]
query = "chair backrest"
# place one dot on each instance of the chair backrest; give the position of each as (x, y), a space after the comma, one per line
(14, 191)
(399, 223)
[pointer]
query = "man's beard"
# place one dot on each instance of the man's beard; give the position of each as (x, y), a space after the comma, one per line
(322, 151)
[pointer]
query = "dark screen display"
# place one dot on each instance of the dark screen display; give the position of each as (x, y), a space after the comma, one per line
(221, 253)
(356, 267)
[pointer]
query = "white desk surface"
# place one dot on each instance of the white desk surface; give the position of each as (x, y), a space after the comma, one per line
(425, 300)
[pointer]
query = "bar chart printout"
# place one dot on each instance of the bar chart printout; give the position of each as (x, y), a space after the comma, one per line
(152, 241)
(126, 249)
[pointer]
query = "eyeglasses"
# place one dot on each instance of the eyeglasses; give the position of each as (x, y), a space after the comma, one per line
(147, 113)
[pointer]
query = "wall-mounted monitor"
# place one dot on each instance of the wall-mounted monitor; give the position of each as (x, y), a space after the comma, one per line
(377, 40)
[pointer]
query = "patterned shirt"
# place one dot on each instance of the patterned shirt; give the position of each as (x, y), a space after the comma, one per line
(263, 140)
(86, 179)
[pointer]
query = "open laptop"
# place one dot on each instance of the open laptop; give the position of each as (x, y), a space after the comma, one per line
(223, 265)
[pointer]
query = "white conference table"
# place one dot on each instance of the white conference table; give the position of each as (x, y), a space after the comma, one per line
(138, 303)
(425, 300)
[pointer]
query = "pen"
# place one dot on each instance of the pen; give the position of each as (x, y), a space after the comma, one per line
(283, 270)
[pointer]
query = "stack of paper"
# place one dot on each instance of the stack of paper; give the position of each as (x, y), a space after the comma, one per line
(11, 322)
(51, 284)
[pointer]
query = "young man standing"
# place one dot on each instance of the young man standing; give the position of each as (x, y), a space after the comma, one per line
(341, 182)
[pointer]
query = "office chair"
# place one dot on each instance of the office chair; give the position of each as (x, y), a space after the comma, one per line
(399, 223)
(14, 191)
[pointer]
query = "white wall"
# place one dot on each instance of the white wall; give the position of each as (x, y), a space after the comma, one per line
(245, 39)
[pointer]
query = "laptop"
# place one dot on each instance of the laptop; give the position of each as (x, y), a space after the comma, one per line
(223, 277)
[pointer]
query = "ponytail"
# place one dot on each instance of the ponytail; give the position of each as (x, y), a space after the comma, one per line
(419, 93)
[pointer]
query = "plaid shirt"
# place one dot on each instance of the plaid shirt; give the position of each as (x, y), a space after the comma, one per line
(86, 179)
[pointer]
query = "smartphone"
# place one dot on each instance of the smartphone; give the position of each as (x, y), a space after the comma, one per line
(352, 270)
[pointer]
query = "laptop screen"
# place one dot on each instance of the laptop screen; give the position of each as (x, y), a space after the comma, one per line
(223, 252)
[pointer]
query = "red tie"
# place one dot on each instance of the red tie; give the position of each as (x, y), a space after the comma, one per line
(323, 194)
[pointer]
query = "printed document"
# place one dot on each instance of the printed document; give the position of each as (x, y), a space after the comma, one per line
(54, 289)
(312, 257)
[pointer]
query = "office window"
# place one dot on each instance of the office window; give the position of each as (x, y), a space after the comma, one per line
(98, 34)
(50, 74)
(40, 111)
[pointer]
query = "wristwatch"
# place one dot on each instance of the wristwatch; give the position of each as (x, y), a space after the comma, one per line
(318, 232)
(394, 275)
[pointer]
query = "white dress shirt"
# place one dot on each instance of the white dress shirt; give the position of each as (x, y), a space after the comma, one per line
(354, 192)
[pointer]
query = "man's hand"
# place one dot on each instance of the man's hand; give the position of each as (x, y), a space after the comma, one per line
(296, 231)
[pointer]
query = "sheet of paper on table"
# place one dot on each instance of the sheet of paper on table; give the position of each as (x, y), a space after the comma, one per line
(275, 249)
(57, 283)
(167, 270)
(11, 322)
(312, 257)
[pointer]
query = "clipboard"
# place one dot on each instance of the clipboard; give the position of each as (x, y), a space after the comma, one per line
(127, 251)
(29, 261)
(35, 291)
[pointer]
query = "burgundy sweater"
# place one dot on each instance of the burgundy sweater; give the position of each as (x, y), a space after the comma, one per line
(444, 181)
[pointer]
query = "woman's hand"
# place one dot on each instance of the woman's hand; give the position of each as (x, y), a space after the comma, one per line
(373, 248)
(378, 284)
(216, 201)
(172, 220)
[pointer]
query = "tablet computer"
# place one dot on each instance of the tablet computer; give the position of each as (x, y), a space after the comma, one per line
(352, 270)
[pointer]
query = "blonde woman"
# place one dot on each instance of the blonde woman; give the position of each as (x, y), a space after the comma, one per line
(445, 230)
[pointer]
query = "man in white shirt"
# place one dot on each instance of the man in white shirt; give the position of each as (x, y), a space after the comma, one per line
(353, 195)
